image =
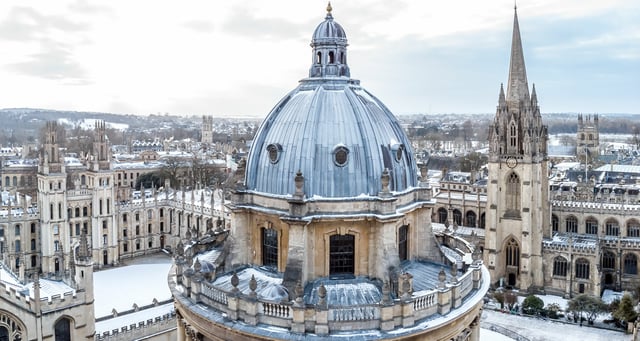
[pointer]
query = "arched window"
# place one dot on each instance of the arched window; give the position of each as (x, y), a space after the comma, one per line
(470, 219)
(403, 242)
(269, 247)
(571, 224)
(513, 135)
(612, 228)
(513, 195)
(512, 253)
(63, 330)
(457, 217)
(17, 230)
(554, 223)
(633, 228)
(319, 58)
(341, 254)
(630, 264)
(608, 260)
(481, 223)
(56, 265)
(560, 266)
(591, 226)
(33, 244)
(331, 57)
(582, 268)
(442, 215)
(17, 246)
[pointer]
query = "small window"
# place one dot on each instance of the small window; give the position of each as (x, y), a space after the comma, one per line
(274, 150)
(399, 153)
(341, 156)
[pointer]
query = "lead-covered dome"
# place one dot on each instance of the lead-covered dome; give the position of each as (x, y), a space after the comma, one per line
(337, 134)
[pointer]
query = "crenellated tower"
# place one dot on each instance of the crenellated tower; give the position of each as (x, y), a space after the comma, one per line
(101, 181)
(518, 205)
(588, 137)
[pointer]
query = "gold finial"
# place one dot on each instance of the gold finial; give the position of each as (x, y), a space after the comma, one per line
(329, 8)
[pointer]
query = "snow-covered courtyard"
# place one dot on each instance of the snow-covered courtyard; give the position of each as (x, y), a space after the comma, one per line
(139, 281)
(536, 329)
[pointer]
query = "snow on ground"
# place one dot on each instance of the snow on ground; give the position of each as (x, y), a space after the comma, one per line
(133, 318)
(536, 329)
(488, 335)
(139, 281)
(548, 299)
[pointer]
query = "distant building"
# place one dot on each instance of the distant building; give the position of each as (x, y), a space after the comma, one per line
(588, 138)
(207, 129)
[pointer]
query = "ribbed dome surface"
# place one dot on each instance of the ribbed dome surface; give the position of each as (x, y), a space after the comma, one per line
(307, 130)
(329, 30)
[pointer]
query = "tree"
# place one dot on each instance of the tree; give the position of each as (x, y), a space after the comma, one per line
(149, 180)
(532, 305)
(625, 312)
(586, 306)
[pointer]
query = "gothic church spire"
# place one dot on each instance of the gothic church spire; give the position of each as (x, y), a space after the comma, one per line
(517, 87)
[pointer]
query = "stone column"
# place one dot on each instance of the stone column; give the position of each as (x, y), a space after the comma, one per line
(181, 332)
(475, 329)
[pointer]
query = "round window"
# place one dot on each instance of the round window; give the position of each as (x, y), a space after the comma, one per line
(341, 156)
(274, 152)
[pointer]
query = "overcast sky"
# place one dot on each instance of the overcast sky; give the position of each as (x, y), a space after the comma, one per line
(238, 58)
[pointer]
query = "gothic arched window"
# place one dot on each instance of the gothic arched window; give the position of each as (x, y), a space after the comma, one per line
(633, 228)
(513, 195)
(554, 223)
(512, 252)
(591, 226)
(608, 260)
(63, 330)
(571, 224)
(560, 266)
(612, 228)
(630, 264)
(513, 135)
(582, 268)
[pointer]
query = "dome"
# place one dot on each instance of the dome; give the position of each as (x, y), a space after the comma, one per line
(336, 133)
(329, 31)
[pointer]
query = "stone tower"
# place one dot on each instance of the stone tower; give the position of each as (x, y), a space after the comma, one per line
(101, 181)
(207, 129)
(52, 202)
(518, 190)
(588, 138)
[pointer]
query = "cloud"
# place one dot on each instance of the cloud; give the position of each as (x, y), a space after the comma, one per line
(27, 24)
(54, 61)
(84, 7)
(241, 22)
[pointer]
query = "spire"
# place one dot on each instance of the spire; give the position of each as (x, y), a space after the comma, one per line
(534, 96)
(501, 100)
(517, 87)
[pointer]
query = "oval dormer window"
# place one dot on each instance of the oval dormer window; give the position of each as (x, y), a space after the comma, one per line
(274, 150)
(399, 152)
(340, 156)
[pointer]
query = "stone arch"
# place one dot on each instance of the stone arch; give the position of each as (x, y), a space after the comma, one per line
(62, 328)
(513, 192)
(470, 218)
(442, 215)
(15, 327)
